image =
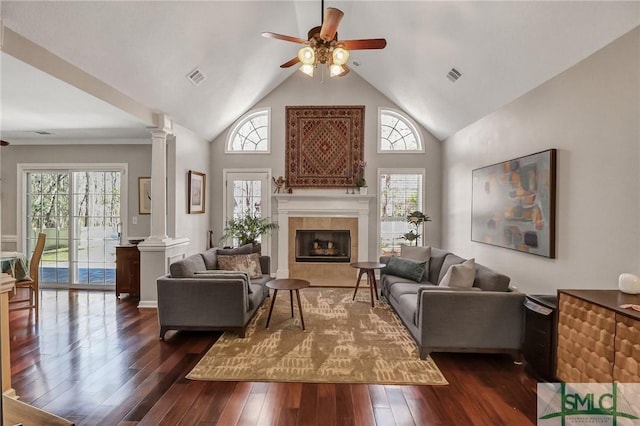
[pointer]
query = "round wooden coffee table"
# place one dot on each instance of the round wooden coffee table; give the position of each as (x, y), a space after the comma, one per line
(291, 284)
(368, 268)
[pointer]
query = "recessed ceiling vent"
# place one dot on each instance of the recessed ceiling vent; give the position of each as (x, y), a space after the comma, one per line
(196, 77)
(42, 132)
(454, 75)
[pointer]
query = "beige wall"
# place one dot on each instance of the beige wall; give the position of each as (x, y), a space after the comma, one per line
(590, 113)
(187, 151)
(349, 90)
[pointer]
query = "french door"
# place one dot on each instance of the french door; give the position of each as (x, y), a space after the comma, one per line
(247, 192)
(80, 211)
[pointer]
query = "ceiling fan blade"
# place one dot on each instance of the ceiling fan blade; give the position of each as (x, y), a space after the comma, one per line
(290, 63)
(345, 72)
(368, 43)
(283, 37)
(330, 24)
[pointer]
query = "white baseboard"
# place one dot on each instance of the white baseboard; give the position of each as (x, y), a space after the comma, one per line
(148, 304)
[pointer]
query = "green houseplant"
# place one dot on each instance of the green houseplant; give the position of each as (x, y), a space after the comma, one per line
(248, 229)
(415, 220)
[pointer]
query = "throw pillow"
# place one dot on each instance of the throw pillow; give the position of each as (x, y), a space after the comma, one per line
(220, 275)
(417, 253)
(210, 258)
(245, 249)
(460, 275)
(249, 263)
(406, 268)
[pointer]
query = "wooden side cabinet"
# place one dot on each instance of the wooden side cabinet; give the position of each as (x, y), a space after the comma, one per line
(127, 270)
(598, 341)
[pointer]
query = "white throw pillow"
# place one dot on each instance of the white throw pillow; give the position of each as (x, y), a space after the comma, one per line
(460, 275)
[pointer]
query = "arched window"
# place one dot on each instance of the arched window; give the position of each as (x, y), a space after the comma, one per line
(397, 133)
(251, 134)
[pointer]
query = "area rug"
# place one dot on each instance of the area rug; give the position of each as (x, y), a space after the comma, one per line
(345, 342)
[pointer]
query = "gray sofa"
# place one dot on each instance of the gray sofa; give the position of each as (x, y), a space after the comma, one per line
(196, 295)
(488, 317)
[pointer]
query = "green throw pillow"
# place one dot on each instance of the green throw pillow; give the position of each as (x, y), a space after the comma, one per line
(405, 268)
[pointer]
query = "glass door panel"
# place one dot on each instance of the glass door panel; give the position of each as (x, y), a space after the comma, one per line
(96, 216)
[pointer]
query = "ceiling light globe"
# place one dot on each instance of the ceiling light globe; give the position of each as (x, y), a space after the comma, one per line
(307, 69)
(340, 56)
(335, 70)
(306, 55)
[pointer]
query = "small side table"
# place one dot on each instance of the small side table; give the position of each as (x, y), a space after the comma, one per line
(368, 268)
(290, 284)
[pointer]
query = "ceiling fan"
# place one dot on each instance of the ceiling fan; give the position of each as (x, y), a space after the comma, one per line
(323, 47)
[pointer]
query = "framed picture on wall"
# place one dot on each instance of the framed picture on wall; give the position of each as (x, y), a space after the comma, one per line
(144, 195)
(197, 190)
(514, 204)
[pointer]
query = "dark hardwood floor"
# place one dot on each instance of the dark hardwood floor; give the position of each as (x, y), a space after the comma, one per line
(97, 360)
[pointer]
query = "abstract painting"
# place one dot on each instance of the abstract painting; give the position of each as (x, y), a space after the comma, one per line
(513, 204)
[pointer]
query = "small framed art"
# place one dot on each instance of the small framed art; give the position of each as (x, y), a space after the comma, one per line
(144, 195)
(197, 191)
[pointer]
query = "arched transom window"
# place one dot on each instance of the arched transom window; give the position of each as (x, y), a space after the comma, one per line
(251, 134)
(397, 133)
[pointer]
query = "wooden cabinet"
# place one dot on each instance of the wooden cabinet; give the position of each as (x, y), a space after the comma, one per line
(597, 340)
(127, 270)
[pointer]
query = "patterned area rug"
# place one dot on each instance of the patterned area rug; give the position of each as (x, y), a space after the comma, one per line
(345, 342)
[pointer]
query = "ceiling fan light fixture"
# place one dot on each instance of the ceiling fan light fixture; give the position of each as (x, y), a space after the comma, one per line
(340, 56)
(307, 69)
(335, 70)
(307, 55)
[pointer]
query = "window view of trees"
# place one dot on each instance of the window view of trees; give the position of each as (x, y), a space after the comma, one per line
(400, 194)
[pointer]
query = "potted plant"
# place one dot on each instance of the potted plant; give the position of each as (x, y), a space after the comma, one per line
(248, 228)
(415, 219)
(361, 182)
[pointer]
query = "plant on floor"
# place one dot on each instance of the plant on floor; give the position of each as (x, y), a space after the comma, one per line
(415, 220)
(248, 228)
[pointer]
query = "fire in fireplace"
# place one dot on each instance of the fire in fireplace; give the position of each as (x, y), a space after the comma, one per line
(322, 245)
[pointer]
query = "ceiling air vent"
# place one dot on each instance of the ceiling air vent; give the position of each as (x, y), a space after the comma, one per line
(196, 77)
(454, 75)
(42, 132)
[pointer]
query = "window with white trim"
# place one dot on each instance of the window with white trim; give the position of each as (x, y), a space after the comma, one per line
(397, 133)
(251, 133)
(401, 191)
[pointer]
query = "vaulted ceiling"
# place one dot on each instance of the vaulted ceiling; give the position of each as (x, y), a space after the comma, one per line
(144, 50)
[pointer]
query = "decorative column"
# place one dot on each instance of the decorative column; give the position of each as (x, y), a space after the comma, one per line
(159, 185)
(159, 250)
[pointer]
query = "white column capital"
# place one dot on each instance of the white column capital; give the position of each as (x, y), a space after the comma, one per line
(163, 123)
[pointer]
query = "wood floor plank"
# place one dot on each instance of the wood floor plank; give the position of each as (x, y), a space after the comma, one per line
(233, 409)
(98, 360)
(327, 402)
(362, 405)
(308, 413)
(399, 407)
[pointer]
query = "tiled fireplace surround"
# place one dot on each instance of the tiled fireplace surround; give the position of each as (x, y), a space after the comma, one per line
(317, 209)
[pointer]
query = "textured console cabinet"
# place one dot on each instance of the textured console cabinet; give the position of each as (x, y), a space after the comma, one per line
(127, 270)
(597, 340)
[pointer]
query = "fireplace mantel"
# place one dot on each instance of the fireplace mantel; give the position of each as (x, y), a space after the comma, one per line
(321, 204)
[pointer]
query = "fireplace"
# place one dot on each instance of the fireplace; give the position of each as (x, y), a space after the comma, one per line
(323, 245)
(322, 211)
